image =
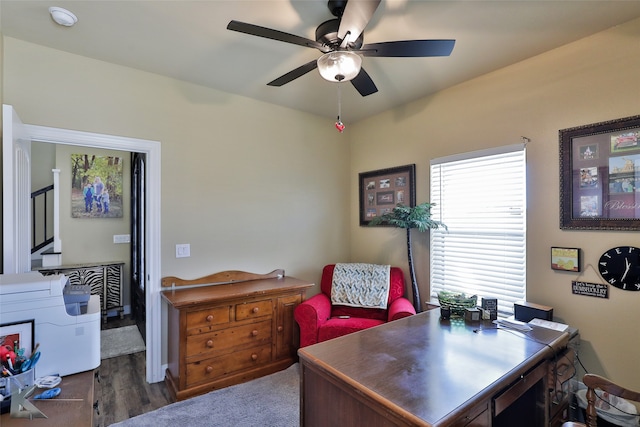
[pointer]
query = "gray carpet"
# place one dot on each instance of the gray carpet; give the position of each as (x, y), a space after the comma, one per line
(271, 401)
(120, 341)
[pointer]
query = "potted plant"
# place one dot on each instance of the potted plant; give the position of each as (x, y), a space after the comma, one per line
(407, 217)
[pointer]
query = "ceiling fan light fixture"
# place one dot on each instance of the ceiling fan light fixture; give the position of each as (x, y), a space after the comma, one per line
(339, 66)
(63, 16)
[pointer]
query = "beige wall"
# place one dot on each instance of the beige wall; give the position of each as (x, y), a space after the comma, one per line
(592, 80)
(243, 190)
(248, 195)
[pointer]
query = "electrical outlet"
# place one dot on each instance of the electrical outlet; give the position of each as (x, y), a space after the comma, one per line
(122, 238)
(183, 250)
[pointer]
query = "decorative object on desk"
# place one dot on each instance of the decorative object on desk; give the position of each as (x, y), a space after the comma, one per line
(418, 217)
(456, 302)
(120, 341)
(22, 408)
(472, 314)
(96, 186)
(620, 267)
(565, 259)
(490, 306)
(598, 164)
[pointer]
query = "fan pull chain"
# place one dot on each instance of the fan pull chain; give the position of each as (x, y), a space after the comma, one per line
(339, 125)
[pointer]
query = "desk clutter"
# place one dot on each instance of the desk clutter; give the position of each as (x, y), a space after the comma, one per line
(18, 374)
(458, 304)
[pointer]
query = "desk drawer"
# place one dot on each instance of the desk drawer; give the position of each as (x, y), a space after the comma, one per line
(217, 367)
(520, 387)
(254, 309)
(202, 320)
(224, 339)
(478, 416)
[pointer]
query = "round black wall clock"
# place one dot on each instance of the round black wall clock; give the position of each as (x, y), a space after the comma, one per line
(620, 267)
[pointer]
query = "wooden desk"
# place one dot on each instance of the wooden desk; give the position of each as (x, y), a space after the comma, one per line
(73, 407)
(424, 371)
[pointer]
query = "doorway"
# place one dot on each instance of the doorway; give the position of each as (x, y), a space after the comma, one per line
(152, 231)
(138, 288)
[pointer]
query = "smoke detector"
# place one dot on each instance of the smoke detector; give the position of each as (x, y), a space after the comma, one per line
(63, 16)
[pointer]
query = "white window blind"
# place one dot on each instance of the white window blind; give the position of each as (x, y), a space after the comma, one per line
(481, 198)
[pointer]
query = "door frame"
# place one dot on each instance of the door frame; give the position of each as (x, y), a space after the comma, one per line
(154, 371)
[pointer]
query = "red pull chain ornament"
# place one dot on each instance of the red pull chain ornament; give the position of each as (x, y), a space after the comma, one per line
(339, 125)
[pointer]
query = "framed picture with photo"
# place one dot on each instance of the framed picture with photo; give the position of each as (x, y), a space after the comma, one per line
(381, 190)
(600, 176)
(18, 335)
(96, 186)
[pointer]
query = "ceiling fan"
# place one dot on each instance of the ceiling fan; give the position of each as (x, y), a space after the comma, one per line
(341, 42)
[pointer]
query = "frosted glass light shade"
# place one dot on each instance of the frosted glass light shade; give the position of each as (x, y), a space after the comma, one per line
(339, 66)
(63, 16)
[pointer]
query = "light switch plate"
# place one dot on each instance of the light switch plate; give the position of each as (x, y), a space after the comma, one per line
(122, 238)
(183, 250)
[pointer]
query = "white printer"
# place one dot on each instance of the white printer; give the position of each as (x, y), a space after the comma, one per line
(68, 332)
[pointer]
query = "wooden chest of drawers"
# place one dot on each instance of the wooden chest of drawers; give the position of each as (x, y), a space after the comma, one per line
(225, 334)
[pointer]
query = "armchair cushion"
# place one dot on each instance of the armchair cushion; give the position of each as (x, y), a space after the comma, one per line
(320, 321)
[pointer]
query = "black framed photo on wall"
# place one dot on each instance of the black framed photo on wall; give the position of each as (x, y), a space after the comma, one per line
(381, 190)
(600, 176)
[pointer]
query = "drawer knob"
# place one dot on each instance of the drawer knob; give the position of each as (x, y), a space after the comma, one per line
(254, 356)
(280, 328)
(209, 369)
(254, 310)
(254, 333)
(210, 343)
(210, 318)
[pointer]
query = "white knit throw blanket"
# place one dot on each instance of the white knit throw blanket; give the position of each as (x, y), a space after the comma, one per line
(361, 285)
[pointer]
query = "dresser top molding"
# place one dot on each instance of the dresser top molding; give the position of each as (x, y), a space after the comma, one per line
(227, 284)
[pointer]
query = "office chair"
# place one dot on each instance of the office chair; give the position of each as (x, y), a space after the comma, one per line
(594, 382)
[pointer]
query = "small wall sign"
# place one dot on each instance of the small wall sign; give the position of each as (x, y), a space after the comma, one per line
(590, 289)
(565, 259)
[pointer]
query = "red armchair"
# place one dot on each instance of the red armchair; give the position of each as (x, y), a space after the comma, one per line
(320, 321)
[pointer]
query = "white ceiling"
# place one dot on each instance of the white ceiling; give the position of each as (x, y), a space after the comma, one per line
(188, 40)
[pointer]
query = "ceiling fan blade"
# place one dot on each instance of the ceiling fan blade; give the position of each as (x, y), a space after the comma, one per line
(268, 33)
(409, 48)
(364, 84)
(294, 74)
(356, 16)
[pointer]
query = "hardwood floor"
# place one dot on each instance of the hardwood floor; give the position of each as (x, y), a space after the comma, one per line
(123, 391)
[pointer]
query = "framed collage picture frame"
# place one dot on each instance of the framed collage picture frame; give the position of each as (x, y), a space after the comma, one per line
(381, 190)
(600, 176)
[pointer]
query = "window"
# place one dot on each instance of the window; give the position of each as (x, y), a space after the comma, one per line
(481, 198)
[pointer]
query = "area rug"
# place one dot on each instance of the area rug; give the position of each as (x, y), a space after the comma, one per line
(271, 401)
(120, 341)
